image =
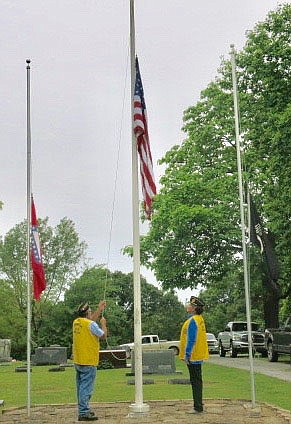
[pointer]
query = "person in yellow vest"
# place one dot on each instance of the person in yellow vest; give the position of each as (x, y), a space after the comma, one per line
(86, 335)
(194, 349)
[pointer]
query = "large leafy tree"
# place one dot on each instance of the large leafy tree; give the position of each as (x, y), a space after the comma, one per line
(63, 257)
(195, 231)
(62, 251)
(265, 74)
(194, 234)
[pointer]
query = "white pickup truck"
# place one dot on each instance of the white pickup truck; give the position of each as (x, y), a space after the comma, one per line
(234, 339)
(152, 342)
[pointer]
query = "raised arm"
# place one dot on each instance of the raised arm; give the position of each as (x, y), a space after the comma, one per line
(96, 314)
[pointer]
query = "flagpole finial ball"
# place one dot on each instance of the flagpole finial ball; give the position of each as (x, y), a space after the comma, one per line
(28, 61)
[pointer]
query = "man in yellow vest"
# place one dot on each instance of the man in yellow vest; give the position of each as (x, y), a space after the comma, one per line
(194, 349)
(86, 335)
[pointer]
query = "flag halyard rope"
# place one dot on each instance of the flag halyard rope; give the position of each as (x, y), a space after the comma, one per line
(114, 190)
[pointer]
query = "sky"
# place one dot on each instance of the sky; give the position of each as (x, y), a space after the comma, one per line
(80, 102)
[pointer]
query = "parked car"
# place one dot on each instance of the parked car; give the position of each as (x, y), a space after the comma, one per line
(153, 342)
(278, 340)
(212, 343)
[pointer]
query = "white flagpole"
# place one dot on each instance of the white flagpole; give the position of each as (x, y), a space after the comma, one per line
(28, 188)
(138, 407)
(242, 215)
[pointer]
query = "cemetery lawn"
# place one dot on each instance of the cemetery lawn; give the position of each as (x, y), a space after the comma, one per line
(111, 386)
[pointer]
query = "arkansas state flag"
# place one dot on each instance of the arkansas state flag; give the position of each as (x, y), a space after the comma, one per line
(39, 282)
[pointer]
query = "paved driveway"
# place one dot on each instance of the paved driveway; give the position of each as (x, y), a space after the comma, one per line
(280, 369)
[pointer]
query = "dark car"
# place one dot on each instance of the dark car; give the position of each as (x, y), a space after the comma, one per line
(278, 340)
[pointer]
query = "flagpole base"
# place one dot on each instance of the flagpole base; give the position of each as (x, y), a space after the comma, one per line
(138, 410)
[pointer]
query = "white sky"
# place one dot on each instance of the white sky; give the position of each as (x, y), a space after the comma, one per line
(79, 54)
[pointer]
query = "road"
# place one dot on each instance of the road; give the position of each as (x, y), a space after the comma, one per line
(280, 369)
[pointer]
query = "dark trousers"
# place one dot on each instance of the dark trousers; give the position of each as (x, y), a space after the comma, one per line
(195, 372)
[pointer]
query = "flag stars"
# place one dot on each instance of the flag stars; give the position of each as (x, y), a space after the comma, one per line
(35, 245)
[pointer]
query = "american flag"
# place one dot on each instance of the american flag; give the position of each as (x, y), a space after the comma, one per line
(39, 282)
(140, 128)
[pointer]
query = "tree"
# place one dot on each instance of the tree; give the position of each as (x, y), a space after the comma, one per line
(62, 251)
(194, 235)
(162, 313)
(226, 301)
(56, 326)
(63, 257)
(12, 321)
(195, 231)
(265, 76)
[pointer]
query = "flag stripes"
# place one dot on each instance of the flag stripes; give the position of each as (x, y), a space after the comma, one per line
(39, 282)
(140, 128)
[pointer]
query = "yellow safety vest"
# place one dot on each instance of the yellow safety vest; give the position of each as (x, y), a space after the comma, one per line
(85, 344)
(200, 350)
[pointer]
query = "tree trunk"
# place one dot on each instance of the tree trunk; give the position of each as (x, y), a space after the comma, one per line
(271, 303)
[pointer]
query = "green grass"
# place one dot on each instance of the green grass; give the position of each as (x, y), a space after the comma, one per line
(59, 387)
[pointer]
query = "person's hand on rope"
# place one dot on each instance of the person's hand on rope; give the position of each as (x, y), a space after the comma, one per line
(95, 315)
(102, 306)
(103, 326)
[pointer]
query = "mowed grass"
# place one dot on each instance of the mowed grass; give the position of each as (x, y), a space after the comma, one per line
(111, 386)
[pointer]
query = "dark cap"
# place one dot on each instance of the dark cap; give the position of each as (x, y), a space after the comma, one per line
(83, 308)
(196, 302)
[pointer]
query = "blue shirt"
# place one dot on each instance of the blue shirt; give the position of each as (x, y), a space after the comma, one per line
(95, 329)
(191, 340)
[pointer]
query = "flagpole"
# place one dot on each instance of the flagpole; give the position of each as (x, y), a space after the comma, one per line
(28, 202)
(242, 216)
(138, 407)
(249, 240)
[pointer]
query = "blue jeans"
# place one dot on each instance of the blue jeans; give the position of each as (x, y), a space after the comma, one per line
(85, 378)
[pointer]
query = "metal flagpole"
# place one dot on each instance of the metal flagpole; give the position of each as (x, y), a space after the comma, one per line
(28, 188)
(249, 233)
(242, 215)
(138, 406)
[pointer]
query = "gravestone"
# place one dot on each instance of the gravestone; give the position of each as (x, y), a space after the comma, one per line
(179, 381)
(5, 350)
(156, 362)
(52, 355)
(117, 357)
(57, 369)
(22, 369)
(144, 381)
